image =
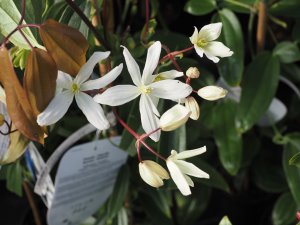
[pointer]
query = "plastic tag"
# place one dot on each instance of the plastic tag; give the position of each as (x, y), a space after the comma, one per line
(84, 180)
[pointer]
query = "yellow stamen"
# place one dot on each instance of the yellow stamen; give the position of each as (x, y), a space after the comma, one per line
(74, 88)
(145, 90)
(201, 43)
(158, 78)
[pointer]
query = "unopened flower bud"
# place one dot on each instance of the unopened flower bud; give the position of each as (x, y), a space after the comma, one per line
(174, 118)
(1, 119)
(153, 173)
(193, 72)
(193, 106)
(212, 93)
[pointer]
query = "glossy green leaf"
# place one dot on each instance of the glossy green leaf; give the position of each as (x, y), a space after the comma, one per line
(259, 87)
(190, 208)
(10, 17)
(119, 193)
(240, 6)
(287, 52)
(292, 173)
(225, 221)
(122, 217)
(228, 139)
(284, 210)
(198, 8)
(14, 178)
(216, 180)
(288, 8)
(295, 160)
(156, 206)
(231, 68)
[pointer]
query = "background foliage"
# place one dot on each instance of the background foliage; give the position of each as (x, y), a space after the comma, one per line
(253, 162)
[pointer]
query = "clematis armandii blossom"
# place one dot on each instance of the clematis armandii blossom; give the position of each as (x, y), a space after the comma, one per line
(150, 87)
(180, 170)
(68, 88)
(204, 42)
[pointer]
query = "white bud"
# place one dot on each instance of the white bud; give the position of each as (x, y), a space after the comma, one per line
(153, 173)
(174, 118)
(212, 93)
(193, 72)
(193, 106)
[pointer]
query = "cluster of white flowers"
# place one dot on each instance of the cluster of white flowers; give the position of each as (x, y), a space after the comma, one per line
(150, 87)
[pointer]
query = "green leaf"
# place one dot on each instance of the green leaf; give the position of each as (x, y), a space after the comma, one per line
(259, 87)
(10, 17)
(240, 6)
(122, 217)
(284, 210)
(295, 160)
(225, 221)
(287, 52)
(231, 68)
(227, 137)
(190, 208)
(200, 7)
(288, 8)
(292, 173)
(216, 180)
(156, 205)
(14, 178)
(118, 196)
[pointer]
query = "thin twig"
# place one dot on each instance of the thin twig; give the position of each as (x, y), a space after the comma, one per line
(87, 22)
(261, 26)
(33, 206)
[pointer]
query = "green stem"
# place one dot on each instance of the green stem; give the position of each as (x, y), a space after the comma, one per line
(243, 5)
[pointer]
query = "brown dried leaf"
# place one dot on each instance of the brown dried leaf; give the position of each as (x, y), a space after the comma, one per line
(18, 106)
(65, 44)
(40, 79)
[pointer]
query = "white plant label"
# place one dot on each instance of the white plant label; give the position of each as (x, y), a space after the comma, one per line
(84, 181)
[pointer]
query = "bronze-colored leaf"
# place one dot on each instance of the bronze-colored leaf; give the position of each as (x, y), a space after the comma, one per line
(40, 79)
(18, 106)
(65, 44)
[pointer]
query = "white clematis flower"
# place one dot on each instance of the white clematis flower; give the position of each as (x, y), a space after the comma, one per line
(153, 173)
(180, 169)
(204, 42)
(68, 88)
(147, 87)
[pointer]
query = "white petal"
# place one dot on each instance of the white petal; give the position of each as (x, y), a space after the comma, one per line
(212, 93)
(118, 95)
(170, 89)
(93, 111)
(178, 178)
(171, 74)
(102, 81)
(151, 62)
(194, 37)
(216, 48)
(149, 176)
(174, 118)
(189, 180)
(63, 80)
(149, 120)
(199, 50)
(133, 67)
(190, 153)
(87, 69)
(154, 106)
(190, 169)
(56, 109)
(210, 32)
(156, 168)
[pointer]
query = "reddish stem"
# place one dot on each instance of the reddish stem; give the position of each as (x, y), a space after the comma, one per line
(172, 58)
(147, 19)
(26, 39)
(23, 12)
(166, 57)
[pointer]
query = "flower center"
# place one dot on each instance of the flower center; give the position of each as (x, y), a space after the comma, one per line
(74, 88)
(201, 42)
(145, 90)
